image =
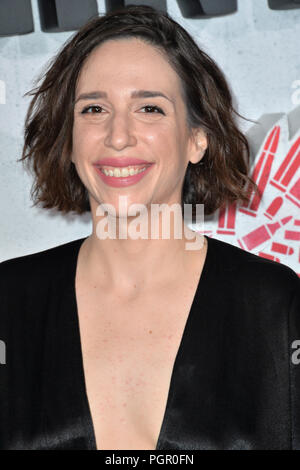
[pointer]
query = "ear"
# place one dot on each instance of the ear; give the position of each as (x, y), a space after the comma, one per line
(198, 145)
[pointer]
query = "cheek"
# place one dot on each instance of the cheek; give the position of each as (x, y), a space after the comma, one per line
(76, 136)
(84, 139)
(160, 141)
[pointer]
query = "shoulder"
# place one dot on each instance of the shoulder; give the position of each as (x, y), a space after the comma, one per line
(249, 271)
(257, 294)
(37, 265)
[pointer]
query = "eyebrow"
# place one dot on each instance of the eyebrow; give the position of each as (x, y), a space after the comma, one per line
(135, 94)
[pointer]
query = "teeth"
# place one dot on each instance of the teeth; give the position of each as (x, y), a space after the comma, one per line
(122, 172)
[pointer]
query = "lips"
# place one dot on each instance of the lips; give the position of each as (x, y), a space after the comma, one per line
(121, 162)
(122, 182)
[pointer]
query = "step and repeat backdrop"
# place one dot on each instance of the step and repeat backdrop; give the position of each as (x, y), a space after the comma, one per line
(255, 43)
(269, 225)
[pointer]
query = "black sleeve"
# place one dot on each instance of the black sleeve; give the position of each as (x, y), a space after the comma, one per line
(294, 345)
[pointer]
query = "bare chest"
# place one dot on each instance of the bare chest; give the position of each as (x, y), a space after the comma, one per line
(128, 351)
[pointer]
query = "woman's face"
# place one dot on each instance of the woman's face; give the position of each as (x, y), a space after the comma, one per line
(118, 124)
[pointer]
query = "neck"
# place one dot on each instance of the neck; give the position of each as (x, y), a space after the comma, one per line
(128, 265)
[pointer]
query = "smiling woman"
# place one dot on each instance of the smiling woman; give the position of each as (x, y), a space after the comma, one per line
(139, 343)
(174, 63)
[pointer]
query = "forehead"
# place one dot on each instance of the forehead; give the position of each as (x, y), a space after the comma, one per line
(122, 63)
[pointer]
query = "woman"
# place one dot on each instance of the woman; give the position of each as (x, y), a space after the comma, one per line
(140, 343)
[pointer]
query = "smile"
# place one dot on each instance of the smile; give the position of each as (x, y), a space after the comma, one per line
(122, 172)
(120, 177)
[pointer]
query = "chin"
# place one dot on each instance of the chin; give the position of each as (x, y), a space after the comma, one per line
(122, 209)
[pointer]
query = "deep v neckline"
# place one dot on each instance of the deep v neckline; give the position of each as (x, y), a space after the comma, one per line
(79, 366)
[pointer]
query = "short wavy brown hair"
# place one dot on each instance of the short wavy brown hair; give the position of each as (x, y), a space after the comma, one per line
(220, 177)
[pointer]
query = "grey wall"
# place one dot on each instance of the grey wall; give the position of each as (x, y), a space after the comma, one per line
(257, 48)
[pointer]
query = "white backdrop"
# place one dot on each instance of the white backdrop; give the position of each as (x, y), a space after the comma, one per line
(258, 50)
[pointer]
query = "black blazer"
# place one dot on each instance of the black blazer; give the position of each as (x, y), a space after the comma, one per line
(236, 378)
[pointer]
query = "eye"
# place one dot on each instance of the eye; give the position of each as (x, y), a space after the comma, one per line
(153, 107)
(85, 110)
(97, 107)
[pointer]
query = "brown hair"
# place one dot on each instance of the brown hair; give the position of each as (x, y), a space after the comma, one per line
(220, 177)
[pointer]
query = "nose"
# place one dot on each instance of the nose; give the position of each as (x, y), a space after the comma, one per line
(120, 132)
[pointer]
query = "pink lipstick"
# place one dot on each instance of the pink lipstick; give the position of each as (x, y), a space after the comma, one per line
(123, 181)
(121, 161)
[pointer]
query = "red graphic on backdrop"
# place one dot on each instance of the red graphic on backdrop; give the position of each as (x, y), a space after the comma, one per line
(288, 167)
(261, 234)
(292, 235)
(227, 217)
(294, 194)
(274, 207)
(268, 256)
(278, 237)
(281, 248)
(262, 172)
